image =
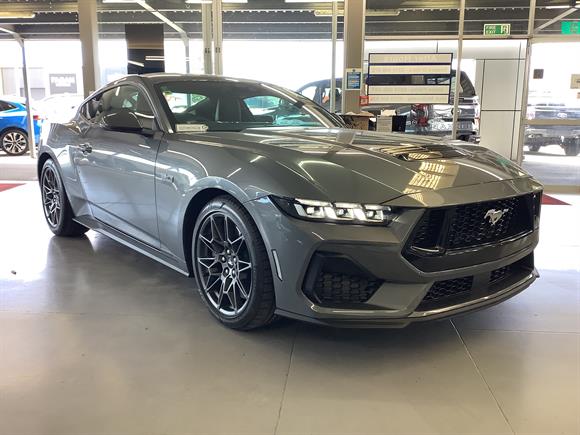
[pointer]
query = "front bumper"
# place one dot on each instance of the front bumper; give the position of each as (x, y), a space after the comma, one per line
(293, 243)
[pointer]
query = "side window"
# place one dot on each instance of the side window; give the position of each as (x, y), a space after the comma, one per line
(93, 108)
(309, 92)
(5, 106)
(131, 99)
(326, 96)
(121, 98)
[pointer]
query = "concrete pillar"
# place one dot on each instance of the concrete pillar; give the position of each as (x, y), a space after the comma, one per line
(89, 33)
(354, 33)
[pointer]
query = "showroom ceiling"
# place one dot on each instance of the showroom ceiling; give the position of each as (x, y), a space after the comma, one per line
(278, 19)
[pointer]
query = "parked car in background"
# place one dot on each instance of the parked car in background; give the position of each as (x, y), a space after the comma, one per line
(428, 119)
(14, 127)
(567, 136)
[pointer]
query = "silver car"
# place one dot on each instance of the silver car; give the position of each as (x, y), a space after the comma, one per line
(277, 210)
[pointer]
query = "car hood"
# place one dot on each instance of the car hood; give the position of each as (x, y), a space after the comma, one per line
(355, 165)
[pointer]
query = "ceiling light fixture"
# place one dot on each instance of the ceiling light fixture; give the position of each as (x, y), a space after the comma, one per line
(310, 1)
(206, 2)
(17, 14)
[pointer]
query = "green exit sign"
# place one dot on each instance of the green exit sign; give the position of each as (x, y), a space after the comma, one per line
(571, 27)
(497, 29)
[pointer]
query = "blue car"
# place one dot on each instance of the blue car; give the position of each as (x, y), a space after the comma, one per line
(14, 128)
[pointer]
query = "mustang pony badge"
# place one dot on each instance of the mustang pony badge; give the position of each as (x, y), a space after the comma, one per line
(495, 215)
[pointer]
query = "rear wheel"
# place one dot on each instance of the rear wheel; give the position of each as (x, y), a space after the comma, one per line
(232, 266)
(534, 148)
(57, 209)
(14, 142)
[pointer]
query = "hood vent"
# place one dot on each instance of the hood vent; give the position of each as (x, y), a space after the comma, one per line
(411, 153)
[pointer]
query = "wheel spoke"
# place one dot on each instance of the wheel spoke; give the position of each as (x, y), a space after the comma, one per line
(232, 296)
(243, 291)
(243, 266)
(216, 234)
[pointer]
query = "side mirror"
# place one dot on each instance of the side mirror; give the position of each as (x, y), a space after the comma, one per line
(123, 121)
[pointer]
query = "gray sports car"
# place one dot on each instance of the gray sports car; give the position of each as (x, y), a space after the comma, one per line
(278, 210)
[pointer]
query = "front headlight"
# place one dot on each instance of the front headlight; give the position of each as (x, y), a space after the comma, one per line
(336, 212)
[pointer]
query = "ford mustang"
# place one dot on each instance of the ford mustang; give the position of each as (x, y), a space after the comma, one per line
(276, 209)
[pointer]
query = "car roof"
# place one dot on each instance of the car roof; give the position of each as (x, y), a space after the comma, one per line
(165, 77)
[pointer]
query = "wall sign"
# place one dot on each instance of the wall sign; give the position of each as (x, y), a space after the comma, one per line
(575, 81)
(497, 29)
(62, 83)
(409, 78)
(353, 79)
(570, 28)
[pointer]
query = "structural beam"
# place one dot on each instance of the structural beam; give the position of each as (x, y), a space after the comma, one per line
(526, 84)
(334, 32)
(89, 35)
(217, 37)
(182, 33)
(354, 33)
(207, 38)
(554, 20)
(457, 89)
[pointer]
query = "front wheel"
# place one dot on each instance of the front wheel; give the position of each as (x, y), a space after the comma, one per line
(232, 267)
(57, 209)
(14, 142)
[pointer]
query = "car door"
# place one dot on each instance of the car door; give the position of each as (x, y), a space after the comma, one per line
(117, 168)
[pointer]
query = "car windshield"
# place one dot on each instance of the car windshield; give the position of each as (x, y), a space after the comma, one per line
(235, 106)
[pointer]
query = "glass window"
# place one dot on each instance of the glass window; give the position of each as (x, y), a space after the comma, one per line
(5, 106)
(325, 97)
(309, 92)
(234, 106)
(121, 98)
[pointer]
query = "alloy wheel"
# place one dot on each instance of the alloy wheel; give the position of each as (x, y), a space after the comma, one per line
(224, 264)
(51, 197)
(14, 142)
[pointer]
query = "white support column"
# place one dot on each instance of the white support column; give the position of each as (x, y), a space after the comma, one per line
(457, 89)
(334, 32)
(29, 115)
(207, 38)
(354, 35)
(89, 34)
(526, 84)
(217, 37)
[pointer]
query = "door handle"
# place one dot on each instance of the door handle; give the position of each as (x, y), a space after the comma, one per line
(85, 148)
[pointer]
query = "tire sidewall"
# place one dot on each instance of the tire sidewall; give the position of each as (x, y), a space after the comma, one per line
(225, 207)
(14, 130)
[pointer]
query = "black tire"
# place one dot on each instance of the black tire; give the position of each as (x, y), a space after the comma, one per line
(57, 209)
(14, 142)
(534, 148)
(234, 277)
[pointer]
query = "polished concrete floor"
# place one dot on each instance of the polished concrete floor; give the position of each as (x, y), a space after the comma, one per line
(97, 339)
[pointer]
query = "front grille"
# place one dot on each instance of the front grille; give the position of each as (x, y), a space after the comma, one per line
(337, 288)
(499, 275)
(449, 288)
(460, 290)
(334, 280)
(469, 225)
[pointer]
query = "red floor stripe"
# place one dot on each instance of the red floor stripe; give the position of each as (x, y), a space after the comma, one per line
(4, 187)
(550, 200)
